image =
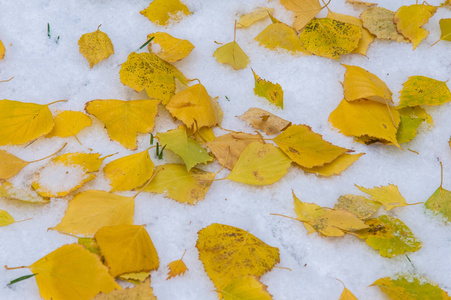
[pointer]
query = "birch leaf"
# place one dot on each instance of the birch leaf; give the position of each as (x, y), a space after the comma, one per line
(258, 14)
(305, 10)
(141, 291)
(360, 206)
(281, 36)
(69, 123)
(169, 48)
(176, 183)
(161, 12)
(228, 253)
(95, 46)
(125, 119)
(408, 128)
(379, 21)
(263, 120)
(336, 166)
(440, 203)
(445, 29)
(421, 90)
(246, 288)
(90, 162)
(5, 218)
(389, 196)
(266, 89)
(176, 268)
(22, 122)
(260, 164)
(232, 54)
(361, 3)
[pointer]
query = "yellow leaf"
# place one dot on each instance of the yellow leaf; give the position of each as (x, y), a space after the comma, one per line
(407, 128)
(22, 122)
(246, 288)
(330, 38)
(189, 150)
(359, 84)
(90, 162)
(421, 90)
(260, 164)
(266, 89)
(366, 118)
(91, 210)
(336, 166)
(263, 120)
(281, 36)
(195, 108)
(360, 206)
(148, 71)
(176, 183)
(445, 29)
(125, 119)
(389, 196)
(361, 3)
(307, 148)
(228, 148)
(379, 21)
(12, 192)
(69, 123)
(258, 14)
(176, 268)
(127, 249)
(72, 273)
(409, 20)
(440, 203)
(228, 253)
(5, 218)
(169, 48)
(129, 172)
(307, 213)
(203, 135)
(305, 10)
(161, 12)
(95, 46)
(347, 295)
(135, 278)
(141, 291)
(233, 55)
(2, 50)
(416, 112)
(367, 37)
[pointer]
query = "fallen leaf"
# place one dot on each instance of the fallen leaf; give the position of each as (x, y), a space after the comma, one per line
(228, 148)
(246, 288)
(281, 36)
(5, 218)
(330, 38)
(95, 46)
(307, 148)
(126, 249)
(305, 10)
(232, 54)
(256, 15)
(90, 162)
(421, 90)
(90, 245)
(416, 112)
(22, 122)
(161, 12)
(91, 210)
(195, 108)
(379, 21)
(260, 164)
(389, 195)
(129, 172)
(2, 50)
(347, 294)
(410, 287)
(336, 166)
(141, 291)
(360, 206)
(228, 253)
(69, 123)
(440, 203)
(361, 3)
(389, 236)
(146, 71)
(135, 278)
(72, 273)
(203, 135)
(361, 84)
(408, 128)
(445, 29)
(266, 89)
(409, 20)
(189, 150)
(367, 37)
(362, 118)
(125, 119)
(176, 183)
(26, 194)
(177, 268)
(263, 120)
(169, 48)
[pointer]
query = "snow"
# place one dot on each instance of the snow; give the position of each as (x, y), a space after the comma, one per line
(59, 178)
(46, 70)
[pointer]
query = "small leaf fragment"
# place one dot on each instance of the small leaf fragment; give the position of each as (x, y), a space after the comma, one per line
(263, 120)
(161, 12)
(246, 288)
(379, 21)
(95, 46)
(2, 50)
(169, 48)
(336, 166)
(5, 218)
(305, 10)
(142, 291)
(445, 29)
(232, 54)
(90, 245)
(389, 196)
(176, 268)
(421, 90)
(256, 15)
(281, 36)
(361, 3)
(69, 123)
(266, 89)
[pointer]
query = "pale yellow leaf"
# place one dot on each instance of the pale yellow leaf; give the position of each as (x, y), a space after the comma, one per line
(161, 12)
(304, 10)
(232, 54)
(5, 218)
(69, 123)
(281, 36)
(256, 15)
(95, 46)
(263, 120)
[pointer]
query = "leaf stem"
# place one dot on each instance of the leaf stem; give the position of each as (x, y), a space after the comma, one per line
(33, 161)
(16, 268)
(6, 79)
(57, 101)
(285, 216)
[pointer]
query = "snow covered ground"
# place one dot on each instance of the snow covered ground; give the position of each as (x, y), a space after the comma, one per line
(45, 70)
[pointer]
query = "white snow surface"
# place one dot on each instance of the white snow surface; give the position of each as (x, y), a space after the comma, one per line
(45, 71)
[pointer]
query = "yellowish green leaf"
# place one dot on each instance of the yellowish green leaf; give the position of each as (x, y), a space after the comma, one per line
(389, 236)
(141, 291)
(379, 21)
(360, 206)
(228, 253)
(69, 123)
(281, 36)
(161, 12)
(176, 183)
(169, 48)
(72, 273)
(421, 90)
(336, 166)
(125, 119)
(91, 210)
(95, 46)
(263, 120)
(260, 164)
(305, 10)
(258, 14)
(246, 288)
(330, 38)
(440, 203)
(129, 172)
(266, 89)
(232, 54)
(389, 195)
(408, 129)
(5, 218)
(26, 194)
